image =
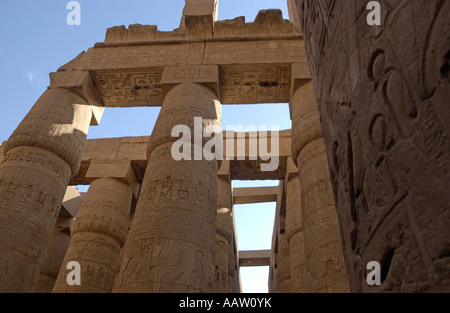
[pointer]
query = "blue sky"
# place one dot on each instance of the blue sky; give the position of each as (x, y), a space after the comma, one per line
(35, 40)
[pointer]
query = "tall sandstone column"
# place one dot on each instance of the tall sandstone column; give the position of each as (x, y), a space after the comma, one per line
(40, 158)
(172, 240)
(325, 265)
(294, 230)
(274, 281)
(382, 93)
(60, 241)
(224, 236)
(100, 228)
(283, 258)
(55, 255)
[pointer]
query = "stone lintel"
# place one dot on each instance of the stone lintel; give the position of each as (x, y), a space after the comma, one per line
(134, 149)
(250, 71)
(255, 195)
(80, 82)
(120, 170)
(207, 75)
(254, 258)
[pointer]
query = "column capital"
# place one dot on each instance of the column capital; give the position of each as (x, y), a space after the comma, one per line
(120, 170)
(80, 82)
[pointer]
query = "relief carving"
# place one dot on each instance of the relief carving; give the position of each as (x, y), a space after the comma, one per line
(385, 123)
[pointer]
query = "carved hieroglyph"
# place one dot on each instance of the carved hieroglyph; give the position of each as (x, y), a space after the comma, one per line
(325, 265)
(140, 87)
(383, 99)
(40, 158)
(255, 84)
(171, 244)
(98, 233)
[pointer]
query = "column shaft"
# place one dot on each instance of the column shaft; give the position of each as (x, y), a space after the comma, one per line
(224, 233)
(172, 243)
(98, 233)
(55, 256)
(294, 234)
(40, 158)
(284, 269)
(325, 265)
(275, 281)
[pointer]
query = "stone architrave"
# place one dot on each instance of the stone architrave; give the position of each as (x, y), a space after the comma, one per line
(41, 156)
(383, 97)
(171, 244)
(325, 264)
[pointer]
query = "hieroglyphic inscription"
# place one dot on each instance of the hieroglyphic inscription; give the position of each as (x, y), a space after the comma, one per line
(29, 208)
(38, 157)
(255, 84)
(383, 99)
(130, 88)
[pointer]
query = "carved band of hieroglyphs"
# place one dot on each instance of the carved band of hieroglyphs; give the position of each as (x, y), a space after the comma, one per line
(127, 88)
(199, 74)
(29, 207)
(255, 84)
(39, 157)
(97, 255)
(142, 87)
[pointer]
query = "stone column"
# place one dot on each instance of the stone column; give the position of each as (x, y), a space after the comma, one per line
(55, 255)
(283, 259)
(274, 281)
(41, 156)
(294, 229)
(60, 241)
(172, 243)
(224, 231)
(325, 265)
(233, 267)
(100, 228)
